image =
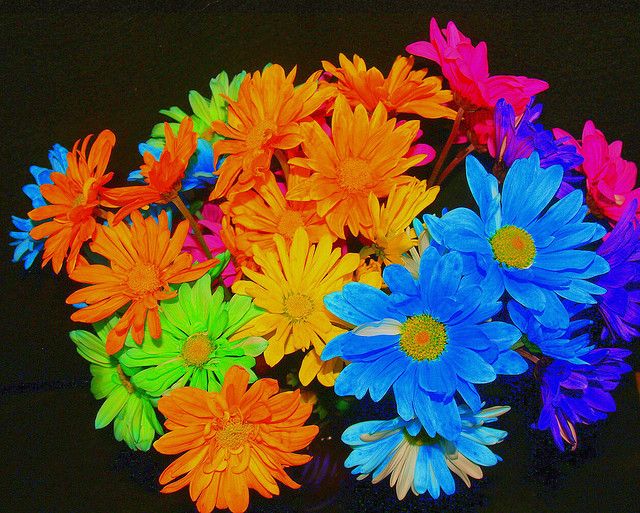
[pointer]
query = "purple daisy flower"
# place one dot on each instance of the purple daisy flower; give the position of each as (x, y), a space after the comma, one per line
(573, 394)
(620, 305)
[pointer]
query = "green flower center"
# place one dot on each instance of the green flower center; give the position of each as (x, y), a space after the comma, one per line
(234, 433)
(298, 307)
(354, 175)
(196, 349)
(513, 246)
(423, 338)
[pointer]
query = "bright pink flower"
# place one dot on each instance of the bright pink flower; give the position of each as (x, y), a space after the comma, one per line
(610, 178)
(211, 223)
(466, 68)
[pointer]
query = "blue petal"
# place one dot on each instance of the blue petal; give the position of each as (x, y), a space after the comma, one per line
(484, 188)
(399, 280)
(469, 365)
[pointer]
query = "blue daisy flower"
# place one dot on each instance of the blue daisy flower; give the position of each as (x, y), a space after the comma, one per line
(563, 344)
(420, 463)
(26, 248)
(428, 339)
(534, 249)
(199, 172)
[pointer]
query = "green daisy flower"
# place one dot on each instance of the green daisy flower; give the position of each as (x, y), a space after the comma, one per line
(196, 347)
(130, 409)
(205, 111)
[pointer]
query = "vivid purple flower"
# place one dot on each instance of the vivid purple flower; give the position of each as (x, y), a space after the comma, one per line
(573, 394)
(620, 305)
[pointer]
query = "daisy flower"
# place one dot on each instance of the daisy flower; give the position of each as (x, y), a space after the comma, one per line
(289, 287)
(415, 461)
(144, 260)
(534, 247)
(197, 345)
(366, 154)
(403, 91)
(233, 441)
(163, 176)
(578, 393)
(72, 201)
(265, 212)
(130, 409)
(389, 230)
(428, 339)
(265, 118)
(611, 180)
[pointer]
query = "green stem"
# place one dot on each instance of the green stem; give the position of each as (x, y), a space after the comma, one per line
(177, 201)
(526, 354)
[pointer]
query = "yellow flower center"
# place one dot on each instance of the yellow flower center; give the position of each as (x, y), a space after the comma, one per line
(422, 337)
(297, 307)
(289, 221)
(79, 200)
(260, 133)
(196, 349)
(513, 246)
(234, 433)
(144, 278)
(354, 175)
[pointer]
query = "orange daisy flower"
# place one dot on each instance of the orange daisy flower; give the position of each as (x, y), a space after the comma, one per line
(366, 155)
(403, 90)
(265, 118)
(163, 177)
(265, 212)
(73, 200)
(233, 441)
(389, 227)
(145, 259)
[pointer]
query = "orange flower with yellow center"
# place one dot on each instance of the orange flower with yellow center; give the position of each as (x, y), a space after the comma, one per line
(265, 118)
(366, 155)
(403, 91)
(145, 259)
(389, 228)
(73, 200)
(163, 176)
(291, 288)
(233, 441)
(265, 212)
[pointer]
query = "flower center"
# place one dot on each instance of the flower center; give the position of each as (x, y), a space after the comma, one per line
(196, 349)
(354, 175)
(513, 246)
(289, 221)
(144, 278)
(260, 133)
(298, 306)
(234, 433)
(422, 337)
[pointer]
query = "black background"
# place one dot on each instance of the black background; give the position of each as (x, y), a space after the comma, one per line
(71, 71)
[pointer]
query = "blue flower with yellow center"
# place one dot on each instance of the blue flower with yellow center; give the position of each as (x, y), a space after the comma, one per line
(429, 338)
(534, 247)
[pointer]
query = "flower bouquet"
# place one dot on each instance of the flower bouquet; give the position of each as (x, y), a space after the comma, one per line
(275, 260)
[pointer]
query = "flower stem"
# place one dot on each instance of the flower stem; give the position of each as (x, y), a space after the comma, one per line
(526, 354)
(433, 179)
(177, 201)
(282, 160)
(452, 165)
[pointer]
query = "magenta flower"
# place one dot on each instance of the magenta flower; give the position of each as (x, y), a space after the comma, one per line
(610, 178)
(211, 224)
(466, 68)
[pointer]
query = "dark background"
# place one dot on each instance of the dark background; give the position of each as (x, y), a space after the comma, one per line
(74, 71)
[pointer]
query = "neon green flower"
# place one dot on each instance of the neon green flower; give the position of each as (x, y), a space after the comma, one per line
(205, 111)
(130, 409)
(197, 345)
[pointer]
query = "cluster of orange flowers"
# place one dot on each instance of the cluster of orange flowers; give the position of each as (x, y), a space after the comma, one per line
(308, 170)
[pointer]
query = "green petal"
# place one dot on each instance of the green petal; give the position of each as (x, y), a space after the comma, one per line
(174, 113)
(200, 106)
(252, 346)
(172, 310)
(104, 381)
(201, 298)
(156, 380)
(111, 407)
(217, 323)
(151, 418)
(137, 357)
(241, 310)
(199, 379)
(217, 269)
(90, 347)
(102, 328)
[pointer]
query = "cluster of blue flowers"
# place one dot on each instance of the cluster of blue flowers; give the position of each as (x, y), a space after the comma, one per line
(494, 292)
